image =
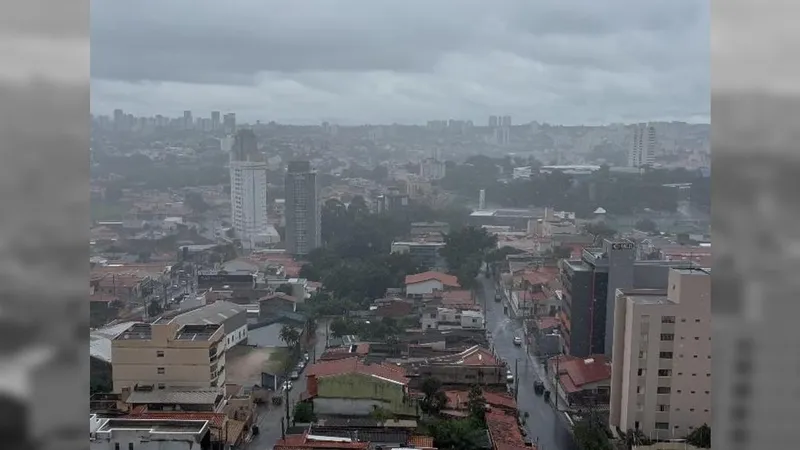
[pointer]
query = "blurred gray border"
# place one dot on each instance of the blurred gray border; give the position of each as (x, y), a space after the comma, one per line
(44, 185)
(755, 129)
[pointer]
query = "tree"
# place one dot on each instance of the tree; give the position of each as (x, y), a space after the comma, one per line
(646, 225)
(463, 434)
(195, 201)
(381, 415)
(304, 412)
(591, 435)
(465, 250)
(154, 308)
(476, 404)
(700, 437)
(290, 336)
(435, 399)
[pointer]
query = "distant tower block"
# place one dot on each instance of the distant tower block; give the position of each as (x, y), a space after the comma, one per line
(482, 199)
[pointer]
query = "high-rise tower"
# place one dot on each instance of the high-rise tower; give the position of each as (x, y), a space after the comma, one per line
(303, 214)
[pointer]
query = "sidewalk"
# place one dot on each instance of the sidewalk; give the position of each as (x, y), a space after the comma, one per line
(547, 379)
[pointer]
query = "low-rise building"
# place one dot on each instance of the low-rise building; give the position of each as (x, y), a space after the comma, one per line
(475, 365)
(582, 382)
(148, 434)
(168, 355)
(232, 318)
(434, 318)
(423, 251)
(424, 283)
(358, 388)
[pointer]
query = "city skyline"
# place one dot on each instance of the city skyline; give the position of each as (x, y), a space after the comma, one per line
(406, 62)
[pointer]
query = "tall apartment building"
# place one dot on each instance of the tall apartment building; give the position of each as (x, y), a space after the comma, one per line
(303, 214)
(168, 355)
(661, 367)
(590, 286)
(229, 123)
(248, 170)
(643, 148)
(188, 122)
(215, 123)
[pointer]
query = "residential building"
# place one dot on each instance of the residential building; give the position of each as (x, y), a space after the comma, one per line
(643, 148)
(232, 318)
(661, 372)
(308, 441)
(148, 434)
(168, 355)
(358, 388)
(229, 123)
(215, 122)
(275, 304)
(443, 318)
(424, 252)
(473, 365)
(431, 169)
(303, 212)
(391, 201)
(429, 282)
(582, 382)
(248, 171)
(429, 229)
(590, 285)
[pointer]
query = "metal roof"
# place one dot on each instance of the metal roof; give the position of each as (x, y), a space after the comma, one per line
(175, 396)
(215, 313)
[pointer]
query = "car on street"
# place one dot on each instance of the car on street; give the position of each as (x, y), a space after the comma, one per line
(509, 376)
(517, 340)
(294, 375)
(497, 297)
(287, 386)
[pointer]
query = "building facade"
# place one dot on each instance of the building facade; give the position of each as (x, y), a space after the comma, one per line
(661, 369)
(643, 148)
(248, 171)
(148, 434)
(168, 355)
(590, 286)
(303, 213)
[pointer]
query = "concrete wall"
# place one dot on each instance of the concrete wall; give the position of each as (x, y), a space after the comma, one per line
(426, 287)
(363, 389)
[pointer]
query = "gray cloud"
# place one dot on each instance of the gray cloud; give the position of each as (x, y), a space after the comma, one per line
(367, 61)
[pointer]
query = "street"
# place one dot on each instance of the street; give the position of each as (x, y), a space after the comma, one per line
(543, 424)
(269, 416)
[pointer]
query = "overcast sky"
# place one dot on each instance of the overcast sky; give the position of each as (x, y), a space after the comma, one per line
(405, 61)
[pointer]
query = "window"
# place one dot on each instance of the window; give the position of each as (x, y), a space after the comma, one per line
(116, 446)
(162, 386)
(691, 409)
(636, 425)
(130, 446)
(662, 408)
(665, 355)
(640, 372)
(638, 389)
(668, 319)
(160, 371)
(667, 337)
(663, 390)
(159, 353)
(642, 354)
(662, 426)
(665, 372)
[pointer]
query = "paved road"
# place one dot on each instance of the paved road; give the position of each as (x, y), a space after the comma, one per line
(543, 423)
(269, 417)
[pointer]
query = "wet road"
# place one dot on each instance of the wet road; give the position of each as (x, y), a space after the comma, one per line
(269, 417)
(543, 423)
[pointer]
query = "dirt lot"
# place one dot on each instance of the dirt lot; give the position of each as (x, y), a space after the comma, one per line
(244, 364)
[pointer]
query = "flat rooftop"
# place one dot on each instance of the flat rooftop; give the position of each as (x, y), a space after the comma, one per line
(197, 332)
(193, 427)
(175, 397)
(647, 296)
(137, 331)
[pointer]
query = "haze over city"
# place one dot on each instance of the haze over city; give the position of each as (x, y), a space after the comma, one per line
(365, 62)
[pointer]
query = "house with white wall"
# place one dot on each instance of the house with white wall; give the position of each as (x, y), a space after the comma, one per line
(427, 283)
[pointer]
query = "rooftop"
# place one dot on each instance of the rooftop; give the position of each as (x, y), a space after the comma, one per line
(445, 279)
(578, 372)
(312, 442)
(336, 367)
(504, 431)
(473, 356)
(154, 426)
(213, 314)
(175, 397)
(197, 332)
(136, 331)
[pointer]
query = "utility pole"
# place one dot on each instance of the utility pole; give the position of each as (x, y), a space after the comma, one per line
(555, 382)
(286, 400)
(516, 379)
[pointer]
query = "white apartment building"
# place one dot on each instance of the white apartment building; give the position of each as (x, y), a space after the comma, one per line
(432, 169)
(661, 360)
(643, 148)
(248, 171)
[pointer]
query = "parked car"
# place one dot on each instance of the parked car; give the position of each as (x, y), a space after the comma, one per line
(538, 387)
(509, 376)
(497, 297)
(294, 375)
(517, 340)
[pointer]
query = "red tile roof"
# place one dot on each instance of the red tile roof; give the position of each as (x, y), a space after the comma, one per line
(545, 323)
(504, 430)
(577, 372)
(541, 276)
(422, 442)
(473, 356)
(302, 442)
(394, 309)
(447, 280)
(502, 400)
(457, 298)
(354, 365)
(102, 298)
